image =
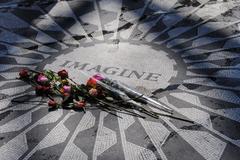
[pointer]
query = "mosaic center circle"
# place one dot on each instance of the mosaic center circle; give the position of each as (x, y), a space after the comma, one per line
(135, 65)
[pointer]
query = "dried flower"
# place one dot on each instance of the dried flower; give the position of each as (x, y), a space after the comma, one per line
(23, 73)
(63, 74)
(93, 92)
(52, 103)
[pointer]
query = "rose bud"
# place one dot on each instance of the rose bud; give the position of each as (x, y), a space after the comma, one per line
(42, 78)
(79, 104)
(93, 92)
(52, 103)
(98, 77)
(67, 89)
(63, 74)
(23, 73)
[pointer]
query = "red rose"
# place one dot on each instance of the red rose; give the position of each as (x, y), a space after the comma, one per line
(63, 74)
(23, 73)
(52, 103)
(92, 83)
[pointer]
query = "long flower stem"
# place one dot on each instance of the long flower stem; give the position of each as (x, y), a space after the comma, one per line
(120, 108)
(174, 117)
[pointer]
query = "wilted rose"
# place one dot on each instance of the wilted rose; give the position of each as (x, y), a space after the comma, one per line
(79, 104)
(23, 73)
(63, 74)
(93, 92)
(52, 103)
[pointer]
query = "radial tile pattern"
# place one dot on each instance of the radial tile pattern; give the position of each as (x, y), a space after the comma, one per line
(185, 52)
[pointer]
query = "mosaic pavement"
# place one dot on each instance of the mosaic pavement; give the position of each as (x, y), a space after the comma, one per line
(186, 52)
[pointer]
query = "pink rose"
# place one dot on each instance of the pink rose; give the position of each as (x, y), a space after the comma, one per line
(67, 89)
(42, 78)
(98, 77)
(93, 92)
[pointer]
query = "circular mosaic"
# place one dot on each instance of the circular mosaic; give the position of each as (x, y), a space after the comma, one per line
(135, 65)
(184, 53)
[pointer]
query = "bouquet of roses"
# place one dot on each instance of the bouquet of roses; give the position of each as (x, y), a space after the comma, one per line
(103, 93)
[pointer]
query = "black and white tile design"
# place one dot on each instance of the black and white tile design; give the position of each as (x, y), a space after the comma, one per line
(186, 52)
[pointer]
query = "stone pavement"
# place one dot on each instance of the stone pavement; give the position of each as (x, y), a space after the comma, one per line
(185, 52)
